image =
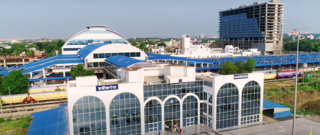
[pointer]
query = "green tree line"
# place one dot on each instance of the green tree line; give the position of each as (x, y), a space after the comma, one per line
(14, 83)
(306, 45)
(228, 68)
(17, 48)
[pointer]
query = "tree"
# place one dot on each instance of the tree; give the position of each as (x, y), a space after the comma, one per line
(60, 43)
(134, 43)
(1, 80)
(162, 44)
(250, 65)
(16, 81)
(241, 67)
(228, 68)
(80, 71)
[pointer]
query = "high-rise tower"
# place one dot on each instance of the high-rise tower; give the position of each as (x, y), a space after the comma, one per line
(254, 26)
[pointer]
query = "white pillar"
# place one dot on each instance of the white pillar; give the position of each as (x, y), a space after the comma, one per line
(44, 75)
(207, 64)
(195, 64)
(31, 75)
(201, 65)
(64, 75)
(4, 63)
(186, 63)
(23, 61)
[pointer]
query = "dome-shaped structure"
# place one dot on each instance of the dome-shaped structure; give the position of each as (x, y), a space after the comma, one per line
(93, 34)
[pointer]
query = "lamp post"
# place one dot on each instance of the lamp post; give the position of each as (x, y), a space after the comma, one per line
(0, 102)
(295, 89)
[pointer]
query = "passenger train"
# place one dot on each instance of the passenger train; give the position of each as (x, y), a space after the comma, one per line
(33, 97)
(274, 74)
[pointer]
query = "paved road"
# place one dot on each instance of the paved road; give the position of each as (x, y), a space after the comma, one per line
(303, 127)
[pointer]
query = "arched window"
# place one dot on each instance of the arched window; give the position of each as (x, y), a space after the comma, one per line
(153, 119)
(125, 116)
(172, 113)
(89, 116)
(190, 111)
(250, 109)
(227, 106)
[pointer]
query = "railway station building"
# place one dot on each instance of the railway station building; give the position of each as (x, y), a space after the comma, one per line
(146, 98)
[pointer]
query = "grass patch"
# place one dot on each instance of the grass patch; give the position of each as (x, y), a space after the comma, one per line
(304, 112)
(15, 127)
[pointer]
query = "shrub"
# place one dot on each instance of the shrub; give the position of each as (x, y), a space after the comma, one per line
(1, 120)
(302, 80)
(26, 118)
(24, 125)
(9, 119)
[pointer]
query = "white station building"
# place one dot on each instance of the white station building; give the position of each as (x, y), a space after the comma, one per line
(140, 97)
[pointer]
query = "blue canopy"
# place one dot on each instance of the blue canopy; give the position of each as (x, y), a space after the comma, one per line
(122, 61)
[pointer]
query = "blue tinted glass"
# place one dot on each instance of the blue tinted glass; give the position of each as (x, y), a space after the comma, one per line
(88, 114)
(127, 113)
(95, 56)
(101, 55)
(133, 54)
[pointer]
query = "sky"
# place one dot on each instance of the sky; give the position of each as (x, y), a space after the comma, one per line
(136, 18)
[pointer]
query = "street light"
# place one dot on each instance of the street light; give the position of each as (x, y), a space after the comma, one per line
(295, 89)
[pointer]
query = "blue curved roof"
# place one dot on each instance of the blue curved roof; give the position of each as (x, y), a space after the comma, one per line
(122, 61)
(85, 51)
(270, 105)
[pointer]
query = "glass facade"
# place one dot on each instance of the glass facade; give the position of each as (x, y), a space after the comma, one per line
(210, 110)
(125, 116)
(80, 41)
(227, 106)
(172, 112)
(122, 41)
(96, 64)
(89, 116)
(107, 55)
(250, 108)
(112, 68)
(239, 26)
(203, 109)
(180, 89)
(190, 111)
(210, 99)
(88, 41)
(71, 49)
(153, 118)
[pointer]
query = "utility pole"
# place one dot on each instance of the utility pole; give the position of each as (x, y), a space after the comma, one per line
(0, 102)
(295, 88)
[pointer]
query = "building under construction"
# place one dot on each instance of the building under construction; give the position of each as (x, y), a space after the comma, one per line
(254, 26)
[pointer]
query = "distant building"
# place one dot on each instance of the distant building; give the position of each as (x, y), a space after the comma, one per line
(201, 36)
(5, 46)
(310, 37)
(14, 41)
(254, 26)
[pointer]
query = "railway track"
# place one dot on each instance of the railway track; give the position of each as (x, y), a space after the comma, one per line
(35, 104)
(277, 80)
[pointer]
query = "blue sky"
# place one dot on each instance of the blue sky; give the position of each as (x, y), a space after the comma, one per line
(135, 18)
